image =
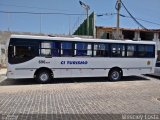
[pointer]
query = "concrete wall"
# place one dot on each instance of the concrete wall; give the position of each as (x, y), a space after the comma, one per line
(4, 37)
(2, 55)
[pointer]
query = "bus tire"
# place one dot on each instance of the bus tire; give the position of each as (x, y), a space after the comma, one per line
(115, 74)
(43, 76)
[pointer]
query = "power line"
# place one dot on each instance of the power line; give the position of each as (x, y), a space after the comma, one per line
(125, 16)
(77, 14)
(32, 7)
(140, 19)
(133, 17)
(106, 14)
(58, 13)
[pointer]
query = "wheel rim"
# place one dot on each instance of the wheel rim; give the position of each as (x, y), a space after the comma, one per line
(115, 75)
(44, 77)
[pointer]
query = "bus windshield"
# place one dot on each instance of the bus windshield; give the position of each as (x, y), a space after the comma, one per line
(22, 50)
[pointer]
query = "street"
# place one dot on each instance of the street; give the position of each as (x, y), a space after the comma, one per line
(79, 98)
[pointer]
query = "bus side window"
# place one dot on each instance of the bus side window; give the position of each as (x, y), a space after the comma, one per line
(131, 50)
(56, 49)
(150, 51)
(100, 50)
(83, 49)
(66, 49)
(117, 50)
(141, 51)
(46, 48)
(146, 51)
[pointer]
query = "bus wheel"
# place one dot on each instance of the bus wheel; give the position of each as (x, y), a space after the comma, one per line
(115, 75)
(43, 76)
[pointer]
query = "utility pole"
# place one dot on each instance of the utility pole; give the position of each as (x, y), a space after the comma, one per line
(93, 25)
(87, 8)
(118, 7)
(8, 16)
(69, 21)
(40, 23)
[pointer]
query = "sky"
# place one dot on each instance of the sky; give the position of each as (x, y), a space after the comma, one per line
(65, 24)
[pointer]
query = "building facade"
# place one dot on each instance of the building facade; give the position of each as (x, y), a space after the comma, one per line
(131, 34)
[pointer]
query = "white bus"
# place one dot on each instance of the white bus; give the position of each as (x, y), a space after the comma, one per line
(44, 57)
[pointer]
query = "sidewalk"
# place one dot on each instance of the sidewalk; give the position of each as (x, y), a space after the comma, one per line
(3, 74)
(3, 71)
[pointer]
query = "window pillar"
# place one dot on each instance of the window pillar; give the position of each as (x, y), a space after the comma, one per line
(137, 36)
(156, 39)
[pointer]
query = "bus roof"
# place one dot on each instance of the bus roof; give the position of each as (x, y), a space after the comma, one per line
(81, 39)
